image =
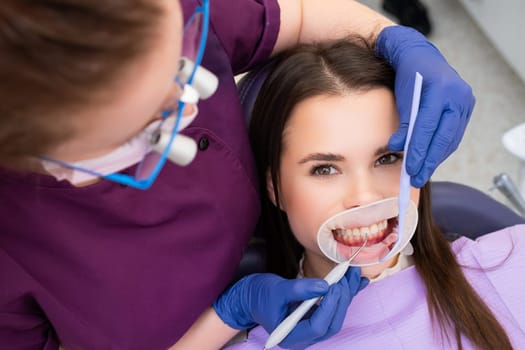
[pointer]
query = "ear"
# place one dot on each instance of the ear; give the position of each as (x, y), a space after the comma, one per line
(269, 187)
(270, 191)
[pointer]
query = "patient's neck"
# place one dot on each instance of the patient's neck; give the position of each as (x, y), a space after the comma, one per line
(316, 266)
(319, 266)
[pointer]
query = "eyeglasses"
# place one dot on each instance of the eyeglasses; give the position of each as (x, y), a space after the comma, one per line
(152, 162)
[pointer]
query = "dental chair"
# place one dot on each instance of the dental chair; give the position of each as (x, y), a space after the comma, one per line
(459, 210)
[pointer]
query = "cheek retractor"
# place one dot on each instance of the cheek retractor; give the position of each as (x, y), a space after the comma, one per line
(342, 234)
(288, 324)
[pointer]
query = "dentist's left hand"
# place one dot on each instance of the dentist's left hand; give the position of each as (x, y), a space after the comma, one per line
(266, 299)
(446, 100)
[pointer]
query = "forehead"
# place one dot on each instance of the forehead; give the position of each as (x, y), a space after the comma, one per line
(346, 121)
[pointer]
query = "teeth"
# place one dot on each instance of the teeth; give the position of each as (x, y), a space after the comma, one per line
(371, 231)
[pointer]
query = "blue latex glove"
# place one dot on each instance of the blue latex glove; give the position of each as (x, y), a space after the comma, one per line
(446, 100)
(266, 299)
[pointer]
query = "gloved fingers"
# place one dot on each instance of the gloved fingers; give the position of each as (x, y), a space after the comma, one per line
(427, 122)
(404, 91)
(356, 282)
(460, 130)
(454, 121)
(444, 142)
(310, 330)
(340, 313)
(397, 140)
(349, 285)
(301, 289)
(233, 307)
(353, 279)
(408, 51)
(363, 283)
(446, 103)
(464, 120)
(285, 293)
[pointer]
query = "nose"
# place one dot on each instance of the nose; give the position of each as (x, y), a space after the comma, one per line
(189, 109)
(361, 190)
(171, 103)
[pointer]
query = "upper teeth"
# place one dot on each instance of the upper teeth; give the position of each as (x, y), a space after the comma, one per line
(363, 230)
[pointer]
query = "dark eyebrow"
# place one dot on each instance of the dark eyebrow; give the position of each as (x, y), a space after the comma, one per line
(382, 150)
(331, 157)
(325, 157)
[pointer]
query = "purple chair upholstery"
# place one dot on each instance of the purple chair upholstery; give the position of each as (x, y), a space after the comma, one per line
(457, 209)
(463, 210)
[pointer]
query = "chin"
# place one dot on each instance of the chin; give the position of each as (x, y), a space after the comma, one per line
(372, 271)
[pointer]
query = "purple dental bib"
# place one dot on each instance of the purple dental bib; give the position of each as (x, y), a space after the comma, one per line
(393, 313)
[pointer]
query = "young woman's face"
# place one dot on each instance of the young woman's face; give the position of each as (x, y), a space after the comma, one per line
(145, 89)
(334, 158)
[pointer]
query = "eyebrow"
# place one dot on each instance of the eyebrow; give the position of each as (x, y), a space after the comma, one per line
(325, 157)
(382, 150)
(331, 157)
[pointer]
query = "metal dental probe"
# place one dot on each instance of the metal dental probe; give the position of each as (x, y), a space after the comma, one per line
(289, 323)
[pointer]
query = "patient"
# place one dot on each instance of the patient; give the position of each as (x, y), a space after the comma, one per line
(319, 131)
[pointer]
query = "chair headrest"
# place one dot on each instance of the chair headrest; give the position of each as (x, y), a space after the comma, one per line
(250, 85)
(465, 210)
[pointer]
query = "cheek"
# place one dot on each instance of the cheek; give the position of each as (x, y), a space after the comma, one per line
(386, 180)
(414, 195)
(305, 209)
(305, 231)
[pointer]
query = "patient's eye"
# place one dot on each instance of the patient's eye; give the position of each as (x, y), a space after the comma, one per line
(389, 158)
(323, 170)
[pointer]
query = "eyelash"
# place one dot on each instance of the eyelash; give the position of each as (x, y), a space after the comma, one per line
(398, 156)
(315, 169)
(385, 159)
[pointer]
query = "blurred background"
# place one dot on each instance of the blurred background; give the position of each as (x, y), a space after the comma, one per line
(483, 40)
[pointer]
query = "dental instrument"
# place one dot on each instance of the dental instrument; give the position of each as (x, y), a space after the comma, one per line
(404, 185)
(289, 323)
(514, 142)
(506, 186)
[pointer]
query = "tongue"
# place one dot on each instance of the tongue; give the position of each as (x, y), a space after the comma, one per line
(391, 238)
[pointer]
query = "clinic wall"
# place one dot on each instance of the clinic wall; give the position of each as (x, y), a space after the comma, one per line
(499, 91)
(502, 22)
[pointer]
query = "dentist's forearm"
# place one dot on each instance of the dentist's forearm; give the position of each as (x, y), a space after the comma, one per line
(209, 332)
(315, 20)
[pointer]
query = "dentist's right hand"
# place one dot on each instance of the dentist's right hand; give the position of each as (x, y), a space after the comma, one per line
(266, 299)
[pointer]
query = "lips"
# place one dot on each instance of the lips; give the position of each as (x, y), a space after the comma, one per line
(355, 236)
(343, 234)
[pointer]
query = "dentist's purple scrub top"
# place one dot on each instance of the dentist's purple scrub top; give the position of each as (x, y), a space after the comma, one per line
(110, 267)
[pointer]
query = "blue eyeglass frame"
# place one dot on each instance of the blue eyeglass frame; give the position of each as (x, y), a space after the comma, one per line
(146, 183)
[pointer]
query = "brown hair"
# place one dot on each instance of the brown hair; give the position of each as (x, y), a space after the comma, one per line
(333, 69)
(59, 56)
